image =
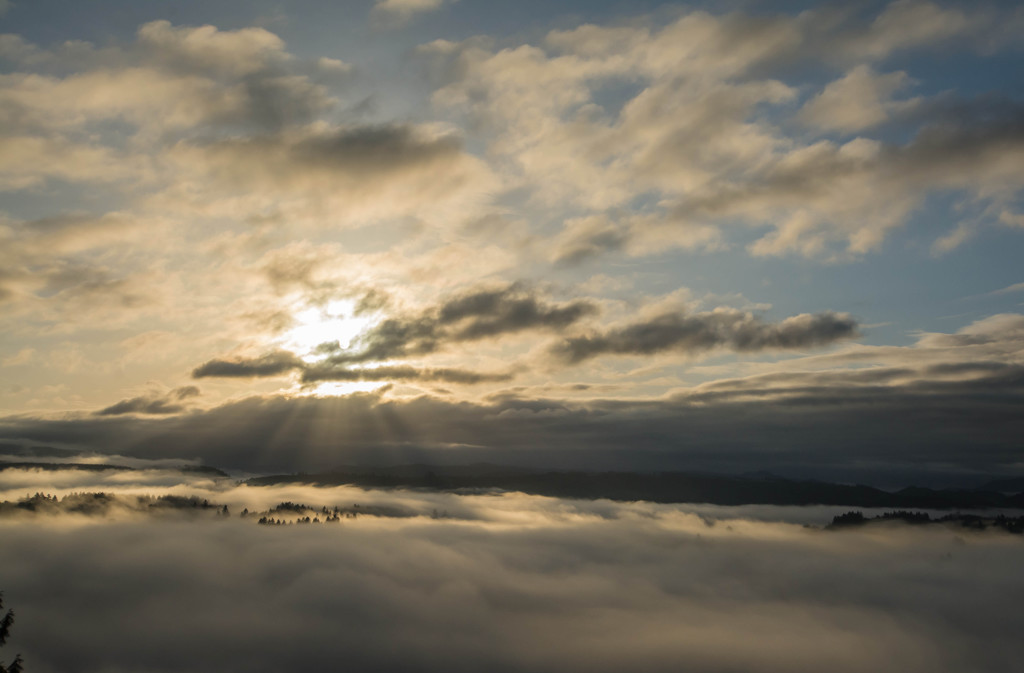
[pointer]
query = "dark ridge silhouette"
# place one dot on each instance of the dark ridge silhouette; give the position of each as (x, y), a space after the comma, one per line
(54, 467)
(37, 451)
(664, 487)
(1011, 485)
(854, 519)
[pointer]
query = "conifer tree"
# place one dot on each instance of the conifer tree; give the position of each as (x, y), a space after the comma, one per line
(5, 628)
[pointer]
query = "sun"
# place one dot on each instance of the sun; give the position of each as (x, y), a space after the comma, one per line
(335, 322)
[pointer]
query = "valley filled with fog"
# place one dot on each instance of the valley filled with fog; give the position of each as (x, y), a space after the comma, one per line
(415, 580)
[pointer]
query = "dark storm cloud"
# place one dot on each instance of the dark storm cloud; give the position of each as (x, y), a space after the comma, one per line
(170, 403)
(271, 364)
(589, 586)
(722, 328)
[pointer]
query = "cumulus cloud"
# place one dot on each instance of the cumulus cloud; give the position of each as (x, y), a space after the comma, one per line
(207, 49)
(226, 122)
(860, 99)
(702, 127)
(171, 80)
(723, 328)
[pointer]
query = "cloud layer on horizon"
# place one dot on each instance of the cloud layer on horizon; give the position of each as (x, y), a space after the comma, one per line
(948, 405)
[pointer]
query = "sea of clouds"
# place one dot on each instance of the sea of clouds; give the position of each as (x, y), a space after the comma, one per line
(492, 582)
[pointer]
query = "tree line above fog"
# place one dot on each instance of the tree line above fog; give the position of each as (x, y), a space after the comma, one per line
(99, 504)
(102, 504)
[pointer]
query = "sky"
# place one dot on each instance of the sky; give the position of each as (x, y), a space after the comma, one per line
(740, 236)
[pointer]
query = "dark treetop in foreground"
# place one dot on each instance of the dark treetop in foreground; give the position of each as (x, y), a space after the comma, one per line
(5, 628)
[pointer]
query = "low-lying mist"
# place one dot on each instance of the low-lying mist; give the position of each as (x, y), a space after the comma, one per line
(427, 581)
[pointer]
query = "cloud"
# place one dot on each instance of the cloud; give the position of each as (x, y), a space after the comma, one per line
(22, 357)
(471, 316)
(278, 363)
(342, 158)
(946, 405)
(29, 161)
(209, 50)
(723, 328)
(591, 585)
(677, 116)
(317, 373)
(908, 24)
(859, 100)
(588, 238)
(358, 173)
(945, 408)
(481, 313)
(170, 81)
(64, 271)
(275, 363)
(153, 404)
(1016, 287)
(401, 11)
(228, 125)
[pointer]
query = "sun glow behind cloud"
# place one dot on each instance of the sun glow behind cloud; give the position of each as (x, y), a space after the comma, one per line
(319, 327)
(338, 388)
(336, 322)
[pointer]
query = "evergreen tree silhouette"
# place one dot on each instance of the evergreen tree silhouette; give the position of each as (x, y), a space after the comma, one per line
(5, 628)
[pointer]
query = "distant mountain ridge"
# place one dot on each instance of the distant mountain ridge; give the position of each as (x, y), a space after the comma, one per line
(665, 487)
(105, 467)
